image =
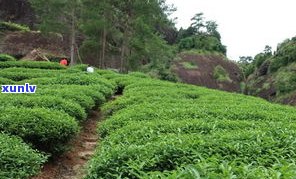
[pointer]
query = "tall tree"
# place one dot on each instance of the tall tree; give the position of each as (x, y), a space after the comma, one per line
(96, 23)
(59, 16)
(212, 29)
(197, 22)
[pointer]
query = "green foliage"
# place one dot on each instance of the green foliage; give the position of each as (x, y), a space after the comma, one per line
(285, 81)
(5, 81)
(17, 159)
(190, 65)
(247, 65)
(201, 36)
(9, 26)
(51, 102)
(31, 64)
(220, 74)
(204, 43)
(139, 75)
(5, 57)
(250, 69)
(137, 39)
(260, 59)
(162, 73)
(81, 67)
(57, 16)
(48, 119)
(166, 130)
(285, 54)
(243, 87)
(19, 74)
(46, 129)
(73, 79)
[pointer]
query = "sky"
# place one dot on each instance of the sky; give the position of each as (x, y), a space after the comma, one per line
(246, 26)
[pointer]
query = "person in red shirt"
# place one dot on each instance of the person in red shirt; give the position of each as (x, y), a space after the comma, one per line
(64, 62)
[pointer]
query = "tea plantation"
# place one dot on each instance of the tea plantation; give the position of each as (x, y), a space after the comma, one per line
(164, 130)
(35, 126)
(155, 129)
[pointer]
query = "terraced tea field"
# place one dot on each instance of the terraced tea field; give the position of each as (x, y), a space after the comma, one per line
(164, 130)
(155, 129)
(36, 126)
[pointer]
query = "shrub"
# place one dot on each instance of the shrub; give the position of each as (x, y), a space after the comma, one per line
(95, 92)
(260, 59)
(17, 159)
(5, 57)
(19, 74)
(80, 67)
(190, 65)
(74, 79)
(220, 74)
(46, 129)
(9, 26)
(139, 75)
(79, 97)
(5, 81)
(31, 64)
(285, 82)
(52, 102)
(285, 54)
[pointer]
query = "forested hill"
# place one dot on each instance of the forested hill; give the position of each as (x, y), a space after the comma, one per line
(271, 75)
(124, 35)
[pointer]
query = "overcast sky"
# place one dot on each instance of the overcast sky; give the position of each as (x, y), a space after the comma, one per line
(246, 26)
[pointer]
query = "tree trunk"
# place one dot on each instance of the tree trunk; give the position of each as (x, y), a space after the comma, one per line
(122, 57)
(123, 52)
(73, 41)
(104, 47)
(100, 50)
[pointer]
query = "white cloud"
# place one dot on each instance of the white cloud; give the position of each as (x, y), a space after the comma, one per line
(246, 26)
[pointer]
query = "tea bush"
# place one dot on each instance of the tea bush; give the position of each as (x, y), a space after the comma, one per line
(5, 81)
(31, 64)
(48, 119)
(17, 159)
(9, 26)
(6, 57)
(167, 130)
(52, 102)
(46, 129)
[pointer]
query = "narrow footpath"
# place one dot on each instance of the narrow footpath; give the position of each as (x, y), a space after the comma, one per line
(71, 165)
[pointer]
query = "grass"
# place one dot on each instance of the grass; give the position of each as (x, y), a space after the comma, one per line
(190, 65)
(203, 52)
(221, 75)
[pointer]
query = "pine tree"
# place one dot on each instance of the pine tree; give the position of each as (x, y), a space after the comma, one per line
(60, 16)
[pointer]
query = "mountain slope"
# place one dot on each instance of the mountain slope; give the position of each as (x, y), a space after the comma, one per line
(275, 78)
(159, 129)
(211, 71)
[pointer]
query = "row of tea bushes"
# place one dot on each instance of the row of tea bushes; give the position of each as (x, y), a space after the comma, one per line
(47, 120)
(31, 64)
(166, 130)
(18, 160)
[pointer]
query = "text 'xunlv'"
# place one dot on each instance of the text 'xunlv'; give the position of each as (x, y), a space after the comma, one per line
(27, 88)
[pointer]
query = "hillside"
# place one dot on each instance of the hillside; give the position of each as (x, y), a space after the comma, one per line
(273, 77)
(212, 71)
(21, 42)
(153, 129)
(157, 103)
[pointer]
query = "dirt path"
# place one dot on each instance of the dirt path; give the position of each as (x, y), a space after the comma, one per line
(71, 164)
